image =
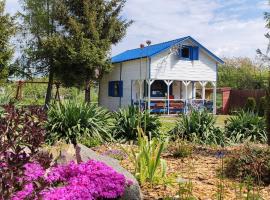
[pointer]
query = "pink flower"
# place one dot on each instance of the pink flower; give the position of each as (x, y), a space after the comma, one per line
(33, 171)
(27, 191)
(85, 181)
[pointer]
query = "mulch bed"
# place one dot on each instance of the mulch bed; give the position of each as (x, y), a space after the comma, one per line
(201, 168)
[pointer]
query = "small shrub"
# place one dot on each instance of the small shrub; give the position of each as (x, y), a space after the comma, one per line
(249, 162)
(72, 120)
(182, 149)
(262, 106)
(198, 127)
(250, 105)
(129, 119)
(90, 142)
(246, 126)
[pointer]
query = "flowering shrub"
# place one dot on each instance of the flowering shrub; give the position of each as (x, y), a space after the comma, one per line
(84, 181)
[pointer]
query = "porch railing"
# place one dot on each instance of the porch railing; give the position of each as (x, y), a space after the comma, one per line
(175, 106)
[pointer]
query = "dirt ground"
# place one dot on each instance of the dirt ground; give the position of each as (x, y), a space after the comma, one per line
(201, 169)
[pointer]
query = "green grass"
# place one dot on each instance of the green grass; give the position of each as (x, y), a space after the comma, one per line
(34, 94)
(168, 123)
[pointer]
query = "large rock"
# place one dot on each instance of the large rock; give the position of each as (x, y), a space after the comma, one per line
(66, 153)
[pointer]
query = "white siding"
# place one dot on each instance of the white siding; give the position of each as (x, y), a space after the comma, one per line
(130, 72)
(112, 103)
(168, 66)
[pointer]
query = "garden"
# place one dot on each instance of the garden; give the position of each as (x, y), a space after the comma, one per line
(56, 142)
(194, 156)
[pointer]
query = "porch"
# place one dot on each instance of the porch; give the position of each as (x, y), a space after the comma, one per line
(174, 96)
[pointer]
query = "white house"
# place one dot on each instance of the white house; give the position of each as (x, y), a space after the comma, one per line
(166, 78)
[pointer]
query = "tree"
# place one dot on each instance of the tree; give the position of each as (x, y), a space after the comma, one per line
(7, 30)
(266, 61)
(89, 29)
(241, 73)
(39, 31)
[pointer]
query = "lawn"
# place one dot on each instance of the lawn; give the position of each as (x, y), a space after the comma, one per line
(168, 122)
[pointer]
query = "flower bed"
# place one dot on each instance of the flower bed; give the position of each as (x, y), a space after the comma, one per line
(84, 181)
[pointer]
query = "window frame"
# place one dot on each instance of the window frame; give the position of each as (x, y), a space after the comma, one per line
(115, 89)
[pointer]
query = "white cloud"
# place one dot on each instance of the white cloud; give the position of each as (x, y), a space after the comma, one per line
(162, 20)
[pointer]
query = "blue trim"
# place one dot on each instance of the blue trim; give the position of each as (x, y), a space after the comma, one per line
(153, 50)
(207, 50)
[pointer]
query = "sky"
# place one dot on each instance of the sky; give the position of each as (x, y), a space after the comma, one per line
(229, 28)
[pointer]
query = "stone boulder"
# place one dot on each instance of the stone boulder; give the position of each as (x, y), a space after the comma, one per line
(63, 154)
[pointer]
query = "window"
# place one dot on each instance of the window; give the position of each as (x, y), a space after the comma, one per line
(189, 53)
(185, 52)
(115, 89)
(159, 89)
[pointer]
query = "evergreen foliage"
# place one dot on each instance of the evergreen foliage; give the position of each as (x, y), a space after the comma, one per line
(7, 30)
(89, 28)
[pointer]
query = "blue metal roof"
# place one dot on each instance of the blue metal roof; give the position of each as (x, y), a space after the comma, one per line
(151, 50)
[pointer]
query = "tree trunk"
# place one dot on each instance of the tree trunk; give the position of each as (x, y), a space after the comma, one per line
(267, 113)
(87, 97)
(99, 93)
(49, 89)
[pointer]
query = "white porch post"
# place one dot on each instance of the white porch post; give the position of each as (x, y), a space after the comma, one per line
(140, 93)
(149, 93)
(214, 98)
(186, 83)
(203, 84)
(168, 82)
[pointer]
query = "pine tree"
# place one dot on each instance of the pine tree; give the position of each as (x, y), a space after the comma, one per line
(90, 27)
(7, 30)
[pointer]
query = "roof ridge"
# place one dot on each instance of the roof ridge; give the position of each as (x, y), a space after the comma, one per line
(158, 43)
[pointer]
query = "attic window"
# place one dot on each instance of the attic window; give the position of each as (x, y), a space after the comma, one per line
(185, 52)
(189, 53)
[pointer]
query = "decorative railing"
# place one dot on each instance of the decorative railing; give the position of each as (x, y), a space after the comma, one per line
(175, 106)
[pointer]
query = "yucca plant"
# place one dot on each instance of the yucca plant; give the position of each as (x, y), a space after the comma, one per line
(149, 166)
(129, 119)
(70, 121)
(246, 126)
(198, 126)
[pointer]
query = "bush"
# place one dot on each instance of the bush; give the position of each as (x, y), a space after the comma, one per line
(250, 105)
(129, 119)
(90, 141)
(181, 149)
(198, 127)
(21, 137)
(262, 106)
(249, 162)
(246, 126)
(71, 121)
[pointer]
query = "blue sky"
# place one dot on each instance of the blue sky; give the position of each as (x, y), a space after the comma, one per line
(229, 28)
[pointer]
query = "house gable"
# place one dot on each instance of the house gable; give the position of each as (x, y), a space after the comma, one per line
(153, 50)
